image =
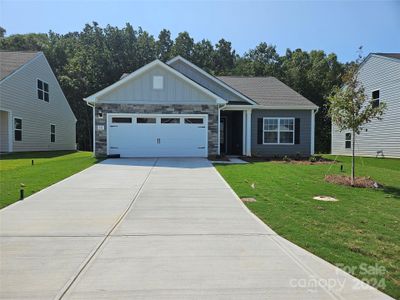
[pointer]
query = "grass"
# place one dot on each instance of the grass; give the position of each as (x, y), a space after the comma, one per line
(363, 227)
(48, 168)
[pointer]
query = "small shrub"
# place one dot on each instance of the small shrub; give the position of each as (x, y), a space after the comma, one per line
(286, 158)
(313, 158)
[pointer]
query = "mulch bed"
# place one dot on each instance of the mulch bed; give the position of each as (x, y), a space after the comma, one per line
(362, 182)
(304, 161)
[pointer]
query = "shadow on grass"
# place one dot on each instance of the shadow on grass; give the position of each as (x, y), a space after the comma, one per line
(392, 191)
(33, 155)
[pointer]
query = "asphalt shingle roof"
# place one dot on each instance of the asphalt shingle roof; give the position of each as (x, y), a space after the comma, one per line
(391, 55)
(267, 91)
(10, 61)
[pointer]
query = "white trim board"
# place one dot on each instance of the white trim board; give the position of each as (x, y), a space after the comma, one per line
(145, 68)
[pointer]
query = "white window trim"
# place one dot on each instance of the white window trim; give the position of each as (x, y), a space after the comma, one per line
(52, 133)
(348, 140)
(379, 98)
(43, 91)
(279, 130)
(13, 131)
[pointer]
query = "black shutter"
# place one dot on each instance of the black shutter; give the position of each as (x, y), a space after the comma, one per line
(260, 125)
(297, 131)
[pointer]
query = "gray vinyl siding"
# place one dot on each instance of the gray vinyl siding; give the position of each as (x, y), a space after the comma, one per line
(18, 93)
(140, 90)
(303, 148)
(204, 81)
(383, 74)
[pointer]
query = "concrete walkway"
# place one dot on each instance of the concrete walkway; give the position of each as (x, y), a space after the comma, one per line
(154, 229)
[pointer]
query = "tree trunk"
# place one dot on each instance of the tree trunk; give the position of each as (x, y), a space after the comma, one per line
(353, 159)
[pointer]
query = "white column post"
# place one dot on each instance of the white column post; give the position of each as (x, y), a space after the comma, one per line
(248, 132)
(312, 132)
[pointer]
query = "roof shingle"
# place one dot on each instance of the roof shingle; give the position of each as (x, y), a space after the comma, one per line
(10, 61)
(391, 55)
(267, 91)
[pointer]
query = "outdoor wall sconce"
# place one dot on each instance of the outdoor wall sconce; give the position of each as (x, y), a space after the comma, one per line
(100, 113)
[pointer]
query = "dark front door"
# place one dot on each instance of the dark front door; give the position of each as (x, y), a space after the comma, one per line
(231, 132)
(222, 135)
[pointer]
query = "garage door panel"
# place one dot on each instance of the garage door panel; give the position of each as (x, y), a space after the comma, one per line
(160, 139)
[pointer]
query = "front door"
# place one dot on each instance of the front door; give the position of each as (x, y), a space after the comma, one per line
(222, 135)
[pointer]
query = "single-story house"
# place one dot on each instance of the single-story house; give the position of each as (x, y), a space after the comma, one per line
(178, 109)
(379, 74)
(34, 113)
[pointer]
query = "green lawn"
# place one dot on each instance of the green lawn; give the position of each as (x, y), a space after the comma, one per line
(362, 227)
(48, 168)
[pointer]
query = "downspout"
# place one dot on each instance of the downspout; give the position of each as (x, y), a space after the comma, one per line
(94, 127)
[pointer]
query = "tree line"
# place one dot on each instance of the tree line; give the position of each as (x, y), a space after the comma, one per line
(88, 61)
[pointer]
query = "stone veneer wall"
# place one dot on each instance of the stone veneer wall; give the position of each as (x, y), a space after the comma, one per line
(210, 110)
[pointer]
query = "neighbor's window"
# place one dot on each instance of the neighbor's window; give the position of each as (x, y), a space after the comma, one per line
(158, 82)
(146, 120)
(348, 140)
(375, 98)
(52, 133)
(43, 90)
(170, 120)
(17, 129)
(193, 121)
(278, 131)
(121, 120)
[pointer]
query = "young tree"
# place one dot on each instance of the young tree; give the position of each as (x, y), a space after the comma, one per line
(350, 108)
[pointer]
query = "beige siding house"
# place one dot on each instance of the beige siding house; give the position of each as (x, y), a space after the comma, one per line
(380, 76)
(34, 113)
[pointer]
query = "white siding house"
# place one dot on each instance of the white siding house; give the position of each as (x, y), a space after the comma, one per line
(380, 76)
(34, 113)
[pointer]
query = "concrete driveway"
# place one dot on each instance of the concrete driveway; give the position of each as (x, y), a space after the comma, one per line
(151, 229)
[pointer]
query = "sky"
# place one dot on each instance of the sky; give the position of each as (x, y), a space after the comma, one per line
(333, 26)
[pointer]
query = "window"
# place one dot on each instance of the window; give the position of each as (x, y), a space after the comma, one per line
(158, 82)
(193, 121)
(170, 121)
(43, 90)
(52, 133)
(146, 120)
(375, 98)
(278, 131)
(17, 129)
(348, 141)
(121, 120)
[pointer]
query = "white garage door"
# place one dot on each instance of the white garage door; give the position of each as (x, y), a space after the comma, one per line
(157, 135)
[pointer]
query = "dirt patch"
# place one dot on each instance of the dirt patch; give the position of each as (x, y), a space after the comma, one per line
(248, 200)
(362, 182)
(307, 162)
(313, 160)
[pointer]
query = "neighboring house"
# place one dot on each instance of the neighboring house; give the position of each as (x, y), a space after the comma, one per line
(178, 109)
(379, 73)
(34, 113)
